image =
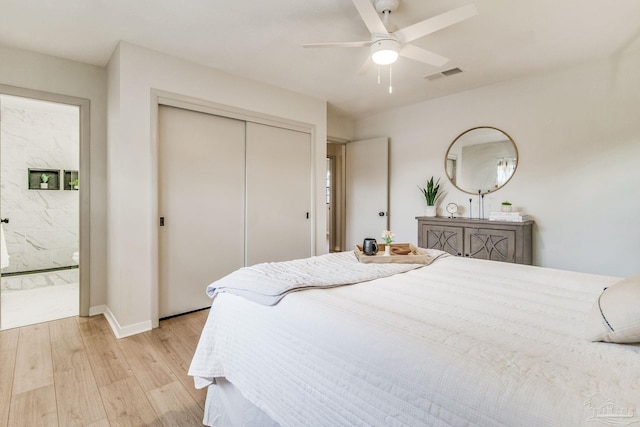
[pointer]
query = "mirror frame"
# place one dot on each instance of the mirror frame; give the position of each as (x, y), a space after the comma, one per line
(446, 157)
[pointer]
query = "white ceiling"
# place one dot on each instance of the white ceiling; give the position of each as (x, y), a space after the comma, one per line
(262, 40)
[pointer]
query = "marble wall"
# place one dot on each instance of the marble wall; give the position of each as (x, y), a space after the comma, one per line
(43, 229)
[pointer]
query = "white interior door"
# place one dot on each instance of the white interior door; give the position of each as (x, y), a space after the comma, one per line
(367, 190)
(201, 198)
(278, 173)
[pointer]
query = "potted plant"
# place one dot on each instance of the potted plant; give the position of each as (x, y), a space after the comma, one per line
(431, 195)
(44, 181)
(387, 236)
(506, 207)
(74, 184)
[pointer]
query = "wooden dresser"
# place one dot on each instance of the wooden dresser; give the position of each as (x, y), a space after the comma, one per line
(478, 238)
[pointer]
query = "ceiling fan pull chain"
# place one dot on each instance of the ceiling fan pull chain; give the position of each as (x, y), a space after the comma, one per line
(378, 74)
(390, 86)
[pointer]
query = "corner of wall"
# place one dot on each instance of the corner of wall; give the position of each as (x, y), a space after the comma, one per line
(98, 309)
(339, 125)
(125, 331)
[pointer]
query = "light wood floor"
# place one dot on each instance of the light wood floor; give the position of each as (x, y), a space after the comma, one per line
(73, 372)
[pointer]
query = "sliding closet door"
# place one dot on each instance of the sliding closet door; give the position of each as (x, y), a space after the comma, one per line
(201, 198)
(278, 194)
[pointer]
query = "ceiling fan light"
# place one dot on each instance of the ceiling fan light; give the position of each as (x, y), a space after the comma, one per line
(385, 57)
(384, 52)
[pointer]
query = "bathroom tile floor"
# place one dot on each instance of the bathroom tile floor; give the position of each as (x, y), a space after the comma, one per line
(40, 297)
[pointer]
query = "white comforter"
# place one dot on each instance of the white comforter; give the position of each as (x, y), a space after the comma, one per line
(460, 342)
(267, 283)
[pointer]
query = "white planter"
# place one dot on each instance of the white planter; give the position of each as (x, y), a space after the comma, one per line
(505, 208)
(44, 185)
(430, 211)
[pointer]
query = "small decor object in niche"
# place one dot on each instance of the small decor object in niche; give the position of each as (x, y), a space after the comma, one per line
(387, 236)
(506, 207)
(481, 160)
(452, 208)
(431, 194)
(44, 181)
(70, 180)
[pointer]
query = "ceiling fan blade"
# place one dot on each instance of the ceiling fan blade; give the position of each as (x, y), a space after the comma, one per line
(418, 54)
(370, 16)
(366, 66)
(438, 22)
(339, 44)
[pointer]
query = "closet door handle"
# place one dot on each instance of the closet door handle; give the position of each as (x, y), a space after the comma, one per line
(5, 220)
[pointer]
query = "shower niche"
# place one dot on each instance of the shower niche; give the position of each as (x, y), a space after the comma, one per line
(70, 180)
(44, 179)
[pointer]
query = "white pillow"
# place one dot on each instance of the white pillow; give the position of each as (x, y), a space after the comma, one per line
(615, 316)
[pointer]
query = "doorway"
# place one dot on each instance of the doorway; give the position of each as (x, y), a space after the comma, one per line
(40, 210)
(357, 191)
(335, 196)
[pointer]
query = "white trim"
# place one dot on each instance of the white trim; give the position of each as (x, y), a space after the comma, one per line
(127, 331)
(336, 140)
(154, 297)
(194, 104)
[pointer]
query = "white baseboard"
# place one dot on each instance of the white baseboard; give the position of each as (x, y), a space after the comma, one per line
(118, 330)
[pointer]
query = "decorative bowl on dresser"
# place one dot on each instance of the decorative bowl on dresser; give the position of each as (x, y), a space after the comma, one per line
(478, 238)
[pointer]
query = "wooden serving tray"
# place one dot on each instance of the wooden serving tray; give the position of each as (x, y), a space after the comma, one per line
(413, 257)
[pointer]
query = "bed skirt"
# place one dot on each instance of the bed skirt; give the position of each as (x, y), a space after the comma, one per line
(227, 407)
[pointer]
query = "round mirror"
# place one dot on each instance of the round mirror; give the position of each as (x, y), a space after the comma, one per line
(481, 160)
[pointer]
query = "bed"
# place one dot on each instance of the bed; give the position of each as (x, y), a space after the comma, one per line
(459, 342)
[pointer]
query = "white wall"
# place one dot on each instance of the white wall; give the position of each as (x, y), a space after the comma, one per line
(578, 137)
(133, 72)
(34, 71)
(339, 126)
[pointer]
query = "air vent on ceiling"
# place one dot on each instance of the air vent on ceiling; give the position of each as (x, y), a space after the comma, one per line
(445, 73)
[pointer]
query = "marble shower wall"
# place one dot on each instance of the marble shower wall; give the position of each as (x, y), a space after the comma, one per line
(43, 231)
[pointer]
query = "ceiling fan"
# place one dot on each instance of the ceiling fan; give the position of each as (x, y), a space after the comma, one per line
(387, 45)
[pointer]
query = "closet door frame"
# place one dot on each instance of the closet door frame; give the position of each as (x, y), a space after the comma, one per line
(160, 97)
